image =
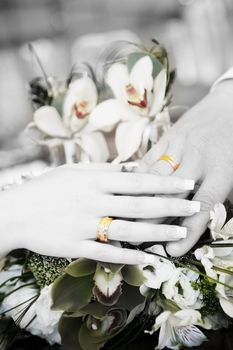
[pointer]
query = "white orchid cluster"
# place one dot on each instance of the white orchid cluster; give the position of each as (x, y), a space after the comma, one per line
(184, 294)
(77, 116)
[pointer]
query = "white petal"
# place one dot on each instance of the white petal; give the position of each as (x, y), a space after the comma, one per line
(227, 231)
(109, 113)
(141, 75)
(80, 90)
(162, 318)
(227, 306)
(217, 220)
(48, 120)
(160, 84)
(190, 336)
(94, 144)
(107, 283)
(117, 79)
(129, 137)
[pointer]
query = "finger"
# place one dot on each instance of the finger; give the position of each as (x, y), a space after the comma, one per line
(174, 151)
(109, 253)
(145, 207)
(153, 155)
(135, 183)
(127, 231)
(97, 166)
(212, 191)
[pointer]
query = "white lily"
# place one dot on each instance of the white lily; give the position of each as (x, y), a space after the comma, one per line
(179, 329)
(69, 129)
(139, 97)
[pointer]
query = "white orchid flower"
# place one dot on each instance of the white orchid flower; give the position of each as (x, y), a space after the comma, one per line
(139, 97)
(179, 329)
(70, 128)
(80, 100)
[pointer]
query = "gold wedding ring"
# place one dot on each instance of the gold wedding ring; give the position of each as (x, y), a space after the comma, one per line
(103, 227)
(171, 161)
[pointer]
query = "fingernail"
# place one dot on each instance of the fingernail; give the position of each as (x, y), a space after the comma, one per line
(193, 207)
(144, 258)
(189, 184)
(177, 233)
(185, 185)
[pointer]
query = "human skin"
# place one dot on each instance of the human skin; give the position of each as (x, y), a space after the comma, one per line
(202, 142)
(58, 212)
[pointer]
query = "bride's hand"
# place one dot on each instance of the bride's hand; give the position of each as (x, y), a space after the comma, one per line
(58, 213)
(201, 141)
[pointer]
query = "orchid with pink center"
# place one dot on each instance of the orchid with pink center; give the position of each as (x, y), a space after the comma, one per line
(71, 128)
(139, 101)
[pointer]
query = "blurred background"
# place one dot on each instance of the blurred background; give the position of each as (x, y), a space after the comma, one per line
(197, 33)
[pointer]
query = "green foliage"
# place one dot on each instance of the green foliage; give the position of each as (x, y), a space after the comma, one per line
(135, 56)
(133, 275)
(46, 269)
(211, 304)
(81, 267)
(71, 294)
(68, 328)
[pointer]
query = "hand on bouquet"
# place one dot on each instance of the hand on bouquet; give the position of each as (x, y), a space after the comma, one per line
(58, 213)
(202, 142)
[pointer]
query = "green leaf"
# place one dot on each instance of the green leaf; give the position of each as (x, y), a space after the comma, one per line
(95, 309)
(89, 343)
(68, 328)
(133, 275)
(81, 267)
(136, 311)
(130, 297)
(167, 304)
(70, 294)
(135, 56)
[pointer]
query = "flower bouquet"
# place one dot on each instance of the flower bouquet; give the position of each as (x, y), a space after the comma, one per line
(89, 305)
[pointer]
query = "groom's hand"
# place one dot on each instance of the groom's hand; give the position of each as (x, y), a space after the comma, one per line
(202, 142)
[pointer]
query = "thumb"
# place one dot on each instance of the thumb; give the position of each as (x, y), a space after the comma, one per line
(212, 191)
